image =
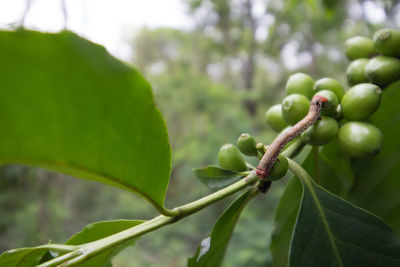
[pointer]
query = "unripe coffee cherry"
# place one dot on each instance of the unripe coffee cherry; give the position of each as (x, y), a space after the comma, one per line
(261, 148)
(382, 70)
(230, 158)
(361, 101)
(329, 107)
(360, 139)
(356, 71)
(294, 108)
(331, 85)
(247, 144)
(300, 83)
(323, 131)
(279, 169)
(339, 113)
(274, 118)
(359, 47)
(387, 42)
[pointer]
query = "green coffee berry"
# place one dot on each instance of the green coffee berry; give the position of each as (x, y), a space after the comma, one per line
(387, 42)
(294, 108)
(300, 83)
(339, 113)
(359, 47)
(360, 139)
(279, 169)
(361, 101)
(331, 85)
(356, 71)
(247, 144)
(329, 108)
(260, 148)
(382, 70)
(230, 158)
(323, 131)
(274, 118)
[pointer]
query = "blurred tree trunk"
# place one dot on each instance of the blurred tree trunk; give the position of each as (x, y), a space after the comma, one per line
(249, 64)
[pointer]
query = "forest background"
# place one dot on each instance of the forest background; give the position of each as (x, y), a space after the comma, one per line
(212, 81)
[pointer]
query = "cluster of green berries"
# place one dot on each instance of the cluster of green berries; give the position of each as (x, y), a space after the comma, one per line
(230, 158)
(375, 65)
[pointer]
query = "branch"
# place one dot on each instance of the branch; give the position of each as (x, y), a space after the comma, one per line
(88, 250)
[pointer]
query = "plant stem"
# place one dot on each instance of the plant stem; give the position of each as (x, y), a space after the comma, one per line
(88, 250)
(316, 163)
(197, 205)
(294, 148)
(60, 248)
(299, 172)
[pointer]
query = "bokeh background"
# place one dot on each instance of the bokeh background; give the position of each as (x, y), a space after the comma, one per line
(215, 67)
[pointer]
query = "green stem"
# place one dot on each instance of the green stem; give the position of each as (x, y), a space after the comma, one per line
(294, 148)
(60, 248)
(89, 250)
(316, 163)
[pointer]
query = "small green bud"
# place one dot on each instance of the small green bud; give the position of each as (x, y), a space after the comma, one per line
(260, 148)
(247, 144)
(230, 158)
(279, 169)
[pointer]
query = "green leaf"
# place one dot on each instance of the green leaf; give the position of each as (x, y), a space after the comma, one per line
(286, 214)
(377, 184)
(216, 177)
(22, 257)
(92, 232)
(69, 106)
(212, 249)
(330, 168)
(330, 231)
(98, 230)
(285, 219)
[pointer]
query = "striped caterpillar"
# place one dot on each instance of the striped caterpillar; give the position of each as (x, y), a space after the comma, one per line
(267, 161)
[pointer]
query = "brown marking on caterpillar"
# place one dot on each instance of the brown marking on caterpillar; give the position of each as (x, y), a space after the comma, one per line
(265, 165)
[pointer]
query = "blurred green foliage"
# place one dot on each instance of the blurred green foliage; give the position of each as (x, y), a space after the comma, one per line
(211, 83)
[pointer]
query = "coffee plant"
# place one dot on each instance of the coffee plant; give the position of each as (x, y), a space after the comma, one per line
(337, 148)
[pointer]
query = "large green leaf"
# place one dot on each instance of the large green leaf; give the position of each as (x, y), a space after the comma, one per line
(377, 187)
(22, 257)
(92, 232)
(96, 231)
(212, 249)
(285, 219)
(330, 231)
(286, 214)
(69, 106)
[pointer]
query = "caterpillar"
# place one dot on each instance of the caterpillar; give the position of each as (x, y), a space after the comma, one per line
(267, 161)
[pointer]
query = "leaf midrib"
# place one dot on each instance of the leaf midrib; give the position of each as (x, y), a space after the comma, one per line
(332, 239)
